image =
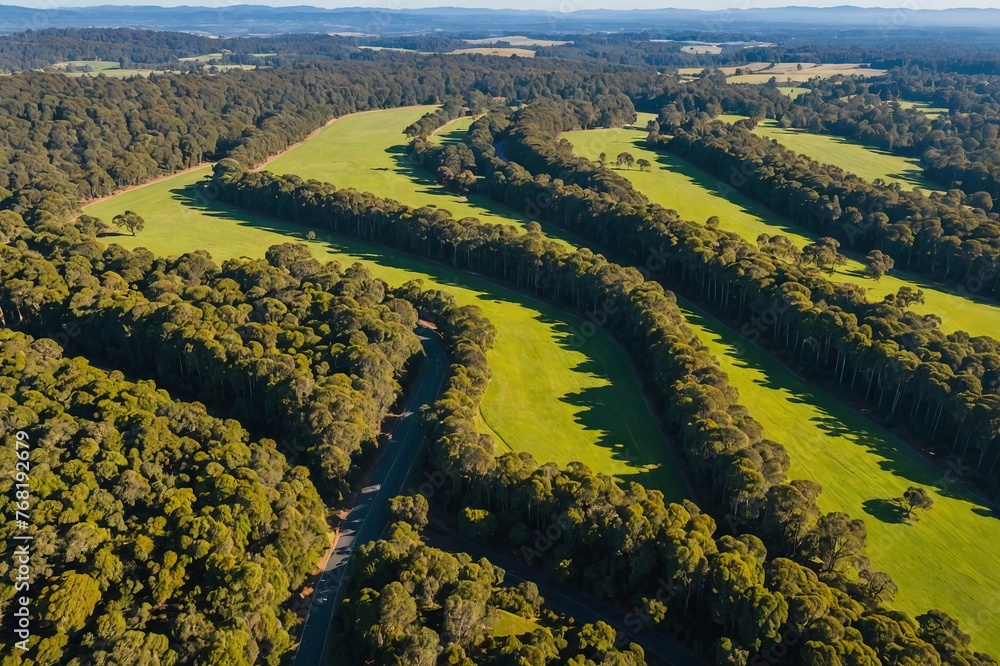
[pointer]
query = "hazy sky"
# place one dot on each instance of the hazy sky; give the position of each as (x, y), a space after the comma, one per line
(550, 5)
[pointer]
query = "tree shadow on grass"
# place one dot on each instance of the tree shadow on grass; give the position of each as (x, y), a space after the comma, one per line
(831, 417)
(888, 511)
(611, 431)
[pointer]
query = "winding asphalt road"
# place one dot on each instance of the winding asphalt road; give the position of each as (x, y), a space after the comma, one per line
(571, 602)
(369, 516)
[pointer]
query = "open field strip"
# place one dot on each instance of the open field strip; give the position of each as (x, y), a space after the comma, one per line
(938, 561)
(860, 466)
(932, 112)
(697, 195)
(793, 91)
(865, 161)
(453, 131)
(502, 51)
(367, 151)
(561, 399)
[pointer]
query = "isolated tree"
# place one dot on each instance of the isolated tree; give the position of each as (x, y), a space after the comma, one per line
(643, 164)
(878, 264)
(129, 220)
(915, 498)
(603, 159)
(625, 159)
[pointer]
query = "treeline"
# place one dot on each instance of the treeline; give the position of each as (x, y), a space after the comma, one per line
(934, 235)
(64, 139)
(420, 606)
(303, 352)
(943, 389)
(960, 148)
(431, 121)
(160, 533)
(603, 542)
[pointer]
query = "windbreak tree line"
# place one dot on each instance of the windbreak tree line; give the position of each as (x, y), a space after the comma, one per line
(614, 542)
(162, 534)
(944, 389)
(305, 353)
(935, 235)
(958, 148)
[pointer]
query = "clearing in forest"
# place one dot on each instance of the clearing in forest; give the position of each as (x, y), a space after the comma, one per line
(865, 161)
(561, 395)
(697, 195)
(861, 467)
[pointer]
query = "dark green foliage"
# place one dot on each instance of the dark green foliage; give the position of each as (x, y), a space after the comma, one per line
(299, 351)
(161, 534)
(419, 606)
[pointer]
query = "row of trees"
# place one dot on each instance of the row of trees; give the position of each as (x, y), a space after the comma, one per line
(307, 353)
(945, 389)
(600, 548)
(934, 235)
(958, 148)
(161, 534)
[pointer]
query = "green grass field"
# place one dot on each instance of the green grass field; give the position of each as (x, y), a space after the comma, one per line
(938, 561)
(931, 112)
(367, 151)
(697, 195)
(551, 395)
(860, 466)
(513, 625)
(869, 163)
(453, 132)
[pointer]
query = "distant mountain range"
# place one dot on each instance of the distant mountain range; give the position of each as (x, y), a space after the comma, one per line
(263, 20)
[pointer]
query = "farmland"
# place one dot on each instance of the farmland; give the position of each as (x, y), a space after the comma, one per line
(860, 466)
(561, 396)
(869, 163)
(696, 195)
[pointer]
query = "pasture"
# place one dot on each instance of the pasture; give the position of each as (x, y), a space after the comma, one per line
(556, 392)
(367, 151)
(937, 560)
(865, 161)
(697, 195)
(861, 467)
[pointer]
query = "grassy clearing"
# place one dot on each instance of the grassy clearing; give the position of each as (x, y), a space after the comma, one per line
(696, 195)
(367, 151)
(562, 397)
(932, 112)
(517, 40)
(513, 625)
(865, 161)
(937, 561)
(787, 72)
(792, 91)
(453, 132)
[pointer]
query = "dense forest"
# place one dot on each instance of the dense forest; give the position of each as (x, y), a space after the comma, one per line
(162, 534)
